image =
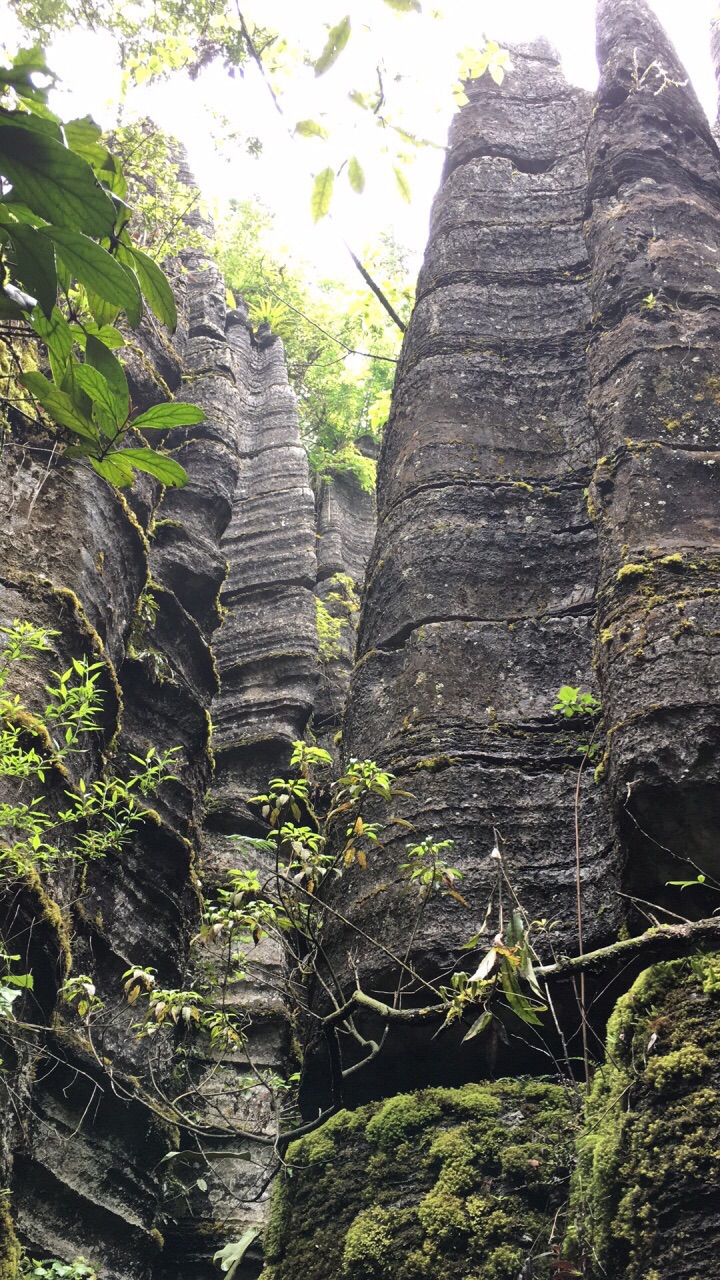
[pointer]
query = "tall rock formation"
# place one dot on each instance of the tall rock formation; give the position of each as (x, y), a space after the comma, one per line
(654, 241)
(480, 590)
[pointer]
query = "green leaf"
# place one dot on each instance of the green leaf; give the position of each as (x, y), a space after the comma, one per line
(55, 332)
(405, 6)
(229, 1258)
(154, 284)
(134, 313)
(54, 182)
(156, 464)
(49, 128)
(103, 313)
(402, 184)
(115, 469)
(97, 355)
(35, 264)
(175, 414)
(83, 137)
(479, 1025)
(99, 390)
(59, 405)
(337, 39)
(95, 268)
(356, 175)
(310, 129)
(322, 194)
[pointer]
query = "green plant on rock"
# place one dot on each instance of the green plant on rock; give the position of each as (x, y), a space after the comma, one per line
(69, 267)
(86, 819)
(55, 1269)
(329, 632)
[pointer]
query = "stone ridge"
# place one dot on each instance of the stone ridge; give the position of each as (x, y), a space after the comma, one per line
(481, 586)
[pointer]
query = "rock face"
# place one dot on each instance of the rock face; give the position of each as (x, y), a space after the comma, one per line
(442, 1182)
(138, 588)
(654, 242)
(480, 591)
(645, 1201)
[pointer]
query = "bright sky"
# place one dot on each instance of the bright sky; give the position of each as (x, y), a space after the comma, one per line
(423, 51)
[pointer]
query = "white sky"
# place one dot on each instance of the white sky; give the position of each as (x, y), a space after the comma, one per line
(423, 51)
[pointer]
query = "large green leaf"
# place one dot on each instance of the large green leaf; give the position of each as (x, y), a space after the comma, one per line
(83, 137)
(338, 37)
(157, 464)
(174, 414)
(18, 76)
(154, 284)
(115, 468)
(98, 356)
(94, 267)
(404, 6)
(134, 313)
(99, 390)
(107, 334)
(59, 405)
(55, 332)
(54, 182)
(32, 123)
(34, 264)
(322, 194)
(104, 313)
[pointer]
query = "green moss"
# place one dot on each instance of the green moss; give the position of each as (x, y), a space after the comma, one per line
(443, 1184)
(10, 1251)
(649, 1155)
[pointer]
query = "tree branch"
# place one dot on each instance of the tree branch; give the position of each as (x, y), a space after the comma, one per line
(664, 942)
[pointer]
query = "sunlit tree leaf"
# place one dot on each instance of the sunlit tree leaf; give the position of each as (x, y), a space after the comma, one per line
(322, 191)
(338, 37)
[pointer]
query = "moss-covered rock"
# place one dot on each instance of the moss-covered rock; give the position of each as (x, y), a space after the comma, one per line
(444, 1184)
(646, 1198)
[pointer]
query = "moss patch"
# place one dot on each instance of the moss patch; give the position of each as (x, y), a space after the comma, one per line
(443, 1184)
(647, 1185)
(10, 1251)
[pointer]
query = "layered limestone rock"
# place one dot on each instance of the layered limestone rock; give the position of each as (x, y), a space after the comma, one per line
(480, 590)
(267, 648)
(135, 584)
(346, 525)
(654, 240)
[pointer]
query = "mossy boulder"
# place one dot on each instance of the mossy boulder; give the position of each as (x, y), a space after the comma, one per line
(444, 1184)
(646, 1197)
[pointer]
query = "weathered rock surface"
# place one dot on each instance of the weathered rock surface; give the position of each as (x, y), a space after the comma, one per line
(450, 1182)
(654, 241)
(346, 525)
(645, 1200)
(480, 589)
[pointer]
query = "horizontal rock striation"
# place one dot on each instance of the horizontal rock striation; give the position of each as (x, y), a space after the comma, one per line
(480, 589)
(267, 649)
(346, 525)
(653, 231)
